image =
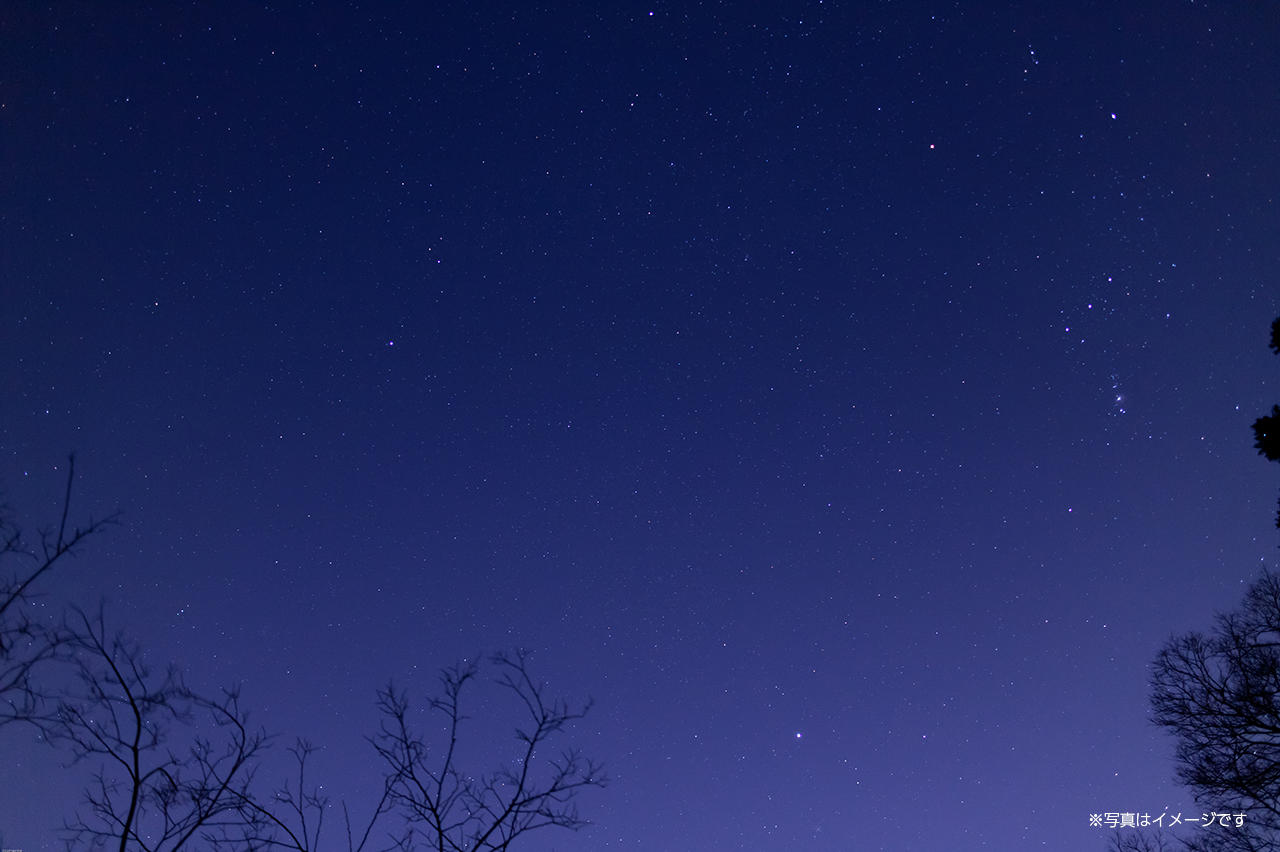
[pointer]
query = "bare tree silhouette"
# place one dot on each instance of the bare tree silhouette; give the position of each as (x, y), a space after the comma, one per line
(292, 818)
(1135, 841)
(440, 805)
(25, 643)
(1217, 694)
(454, 811)
(172, 767)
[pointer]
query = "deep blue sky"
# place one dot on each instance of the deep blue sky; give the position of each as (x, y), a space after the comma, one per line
(877, 373)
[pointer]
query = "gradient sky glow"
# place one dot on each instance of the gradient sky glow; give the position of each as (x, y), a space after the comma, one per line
(850, 397)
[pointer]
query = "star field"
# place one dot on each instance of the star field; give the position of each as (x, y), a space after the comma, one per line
(851, 398)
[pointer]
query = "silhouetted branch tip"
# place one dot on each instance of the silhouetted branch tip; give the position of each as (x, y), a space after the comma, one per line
(25, 644)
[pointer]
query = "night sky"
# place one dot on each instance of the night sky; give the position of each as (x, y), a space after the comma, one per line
(850, 397)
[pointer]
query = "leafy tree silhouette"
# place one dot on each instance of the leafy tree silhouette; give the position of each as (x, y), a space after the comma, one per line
(1266, 429)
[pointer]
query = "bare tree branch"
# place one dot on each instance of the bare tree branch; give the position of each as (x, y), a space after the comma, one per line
(292, 819)
(160, 783)
(173, 769)
(1136, 841)
(26, 644)
(451, 811)
(1217, 695)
